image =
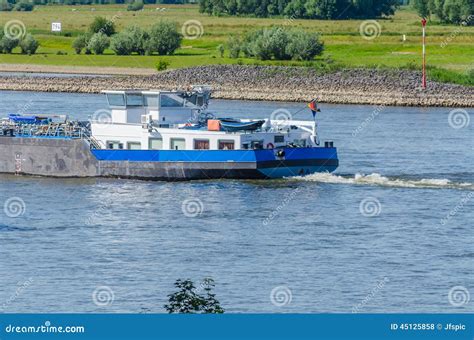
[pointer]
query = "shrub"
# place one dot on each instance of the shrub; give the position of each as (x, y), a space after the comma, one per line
(234, 46)
(135, 6)
(8, 44)
(162, 65)
(5, 6)
(81, 42)
(186, 300)
(102, 25)
(24, 6)
(304, 46)
(139, 38)
(29, 45)
(131, 40)
(221, 50)
(164, 38)
(280, 43)
(122, 44)
(98, 43)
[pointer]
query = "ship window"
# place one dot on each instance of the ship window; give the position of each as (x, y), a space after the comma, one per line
(134, 146)
(116, 99)
(114, 145)
(201, 144)
(226, 145)
(279, 139)
(257, 144)
(177, 144)
(151, 101)
(155, 144)
(171, 100)
(134, 100)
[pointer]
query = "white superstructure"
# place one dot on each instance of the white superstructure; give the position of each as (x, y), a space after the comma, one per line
(178, 120)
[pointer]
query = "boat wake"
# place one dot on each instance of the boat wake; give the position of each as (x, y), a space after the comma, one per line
(379, 180)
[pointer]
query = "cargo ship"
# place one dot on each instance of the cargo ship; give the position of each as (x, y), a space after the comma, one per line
(162, 135)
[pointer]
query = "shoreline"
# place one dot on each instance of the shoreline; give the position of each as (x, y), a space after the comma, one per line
(270, 83)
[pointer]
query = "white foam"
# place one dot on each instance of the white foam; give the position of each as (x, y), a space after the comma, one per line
(377, 179)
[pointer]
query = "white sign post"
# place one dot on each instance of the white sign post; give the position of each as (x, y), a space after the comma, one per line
(56, 27)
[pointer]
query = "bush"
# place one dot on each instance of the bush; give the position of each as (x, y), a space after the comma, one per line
(234, 46)
(139, 38)
(29, 45)
(122, 44)
(221, 50)
(8, 44)
(5, 6)
(23, 6)
(131, 40)
(304, 46)
(102, 25)
(280, 43)
(81, 42)
(186, 300)
(98, 43)
(162, 65)
(164, 38)
(135, 6)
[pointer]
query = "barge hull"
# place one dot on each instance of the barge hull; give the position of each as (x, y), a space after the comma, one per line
(60, 157)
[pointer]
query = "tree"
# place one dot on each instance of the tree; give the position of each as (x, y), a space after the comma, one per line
(5, 6)
(122, 43)
(139, 38)
(23, 6)
(304, 45)
(135, 6)
(8, 44)
(422, 8)
(186, 300)
(29, 45)
(98, 43)
(164, 38)
(234, 46)
(81, 42)
(101, 24)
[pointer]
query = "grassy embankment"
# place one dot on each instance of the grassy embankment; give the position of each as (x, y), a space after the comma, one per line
(345, 47)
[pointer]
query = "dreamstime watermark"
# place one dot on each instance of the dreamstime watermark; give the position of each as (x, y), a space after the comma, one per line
(371, 295)
(457, 31)
(46, 328)
(459, 118)
(459, 296)
(103, 296)
(14, 207)
(19, 290)
(102, 116)
(280, 207)
(370, 207)
(459, 207)
(192, 207)
(370, 29)
(281, 296)
(281, 116)
(192, 29)
(14, 30)
(368, 120)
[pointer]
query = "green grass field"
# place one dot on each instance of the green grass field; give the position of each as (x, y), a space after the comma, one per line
(449, 46)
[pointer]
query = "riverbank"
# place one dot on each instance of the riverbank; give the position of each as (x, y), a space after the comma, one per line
(351, 86)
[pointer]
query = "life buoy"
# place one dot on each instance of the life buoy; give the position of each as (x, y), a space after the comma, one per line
(270, 146)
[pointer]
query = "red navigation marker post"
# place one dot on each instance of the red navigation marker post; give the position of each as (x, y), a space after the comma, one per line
(423, 23)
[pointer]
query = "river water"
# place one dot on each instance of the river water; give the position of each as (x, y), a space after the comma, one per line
(390, 231)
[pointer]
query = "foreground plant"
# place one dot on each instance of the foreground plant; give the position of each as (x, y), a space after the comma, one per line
(188, 301)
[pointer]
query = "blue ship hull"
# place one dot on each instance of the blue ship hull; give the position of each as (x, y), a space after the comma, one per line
(202, 164)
